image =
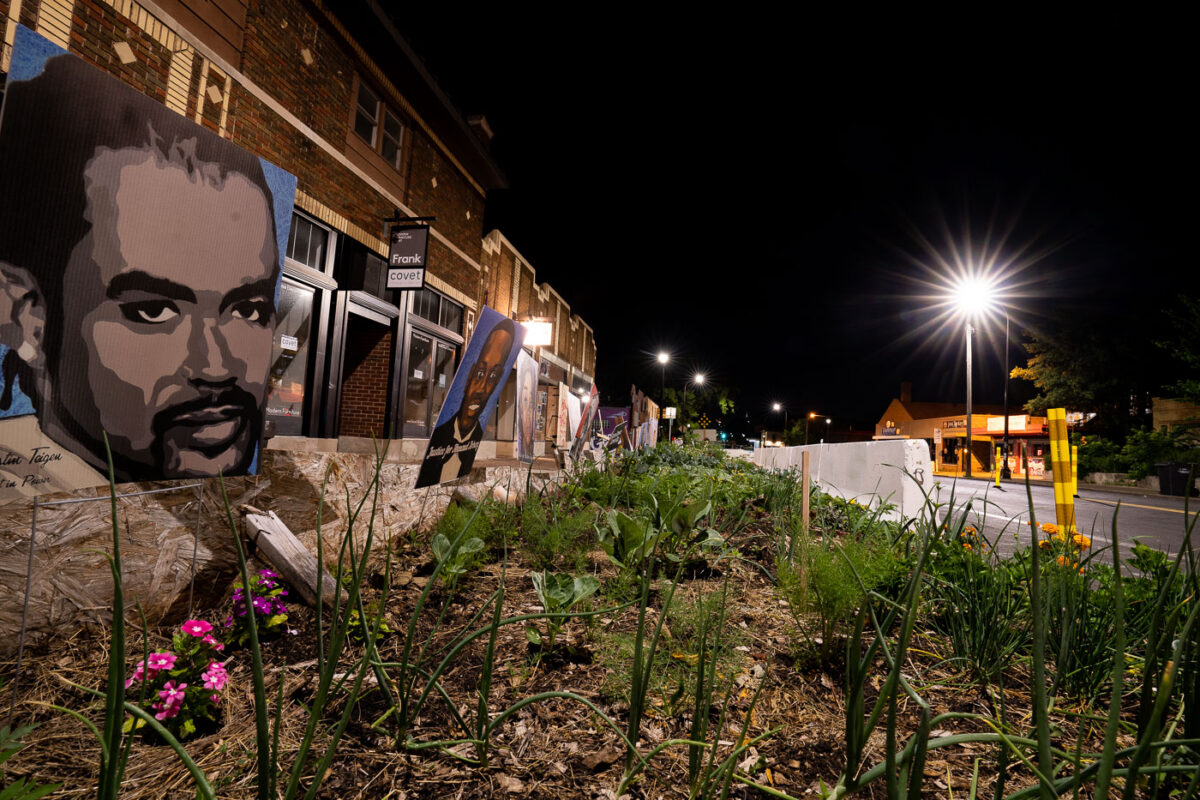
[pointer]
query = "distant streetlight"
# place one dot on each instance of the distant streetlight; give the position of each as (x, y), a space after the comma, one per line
(697, 379)
(972, 297)
(777, 407)
(663, 358)
(811, 416)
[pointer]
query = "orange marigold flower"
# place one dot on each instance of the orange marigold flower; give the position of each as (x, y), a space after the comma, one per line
(1049, 527)
(1046, 544)
(967, 545)
(1081, 541)
(1063, 561)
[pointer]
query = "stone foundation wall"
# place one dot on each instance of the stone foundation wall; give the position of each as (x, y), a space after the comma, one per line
(71, 583)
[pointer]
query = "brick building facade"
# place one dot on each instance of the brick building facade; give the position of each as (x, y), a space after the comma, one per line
(338, 98)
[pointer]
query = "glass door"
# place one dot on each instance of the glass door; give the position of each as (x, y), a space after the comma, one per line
(418, 392)
(430, 369)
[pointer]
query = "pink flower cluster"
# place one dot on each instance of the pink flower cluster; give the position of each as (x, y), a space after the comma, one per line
(156, 663)
(170, 700)
(203, 631)
(215, 677)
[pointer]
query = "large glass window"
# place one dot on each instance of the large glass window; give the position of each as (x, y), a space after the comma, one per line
(289, 362)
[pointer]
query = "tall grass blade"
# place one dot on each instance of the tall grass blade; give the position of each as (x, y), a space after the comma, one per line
(1104, 776)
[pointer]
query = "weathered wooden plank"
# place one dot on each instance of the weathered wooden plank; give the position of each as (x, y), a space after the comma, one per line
(280, 547)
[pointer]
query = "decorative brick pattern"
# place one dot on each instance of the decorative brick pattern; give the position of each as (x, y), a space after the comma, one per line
(365, 374)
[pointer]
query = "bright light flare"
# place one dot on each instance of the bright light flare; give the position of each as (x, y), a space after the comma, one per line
(776, 407)
(699, 379)
(663, 358)
(973, 296)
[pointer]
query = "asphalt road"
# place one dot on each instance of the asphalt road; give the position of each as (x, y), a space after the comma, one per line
(1155, 520)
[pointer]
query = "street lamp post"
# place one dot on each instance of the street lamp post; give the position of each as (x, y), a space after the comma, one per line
(1005, 470)
(973, 297)
(663, 358)
(697, 379)
(970, 330)
(779, 407)
(811, 416)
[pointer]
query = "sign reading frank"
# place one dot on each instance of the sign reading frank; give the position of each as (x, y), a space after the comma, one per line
(140, 260)
(406, 256)
(472, 398)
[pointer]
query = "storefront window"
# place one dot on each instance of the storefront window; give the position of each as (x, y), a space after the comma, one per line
(289, 364)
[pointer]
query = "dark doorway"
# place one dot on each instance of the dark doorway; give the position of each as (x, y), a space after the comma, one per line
(366, 379)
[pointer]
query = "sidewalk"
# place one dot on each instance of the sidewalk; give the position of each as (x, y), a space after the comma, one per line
(1139, 491)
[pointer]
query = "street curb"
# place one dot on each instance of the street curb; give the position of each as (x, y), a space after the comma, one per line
(1102, 488)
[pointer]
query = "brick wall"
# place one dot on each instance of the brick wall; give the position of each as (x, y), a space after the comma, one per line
(365, 374)
(97, 27)
(322, 96)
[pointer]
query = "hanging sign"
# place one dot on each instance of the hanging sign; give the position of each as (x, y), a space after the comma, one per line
(406, 256)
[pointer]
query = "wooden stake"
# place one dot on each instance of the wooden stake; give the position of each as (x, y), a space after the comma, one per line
(804, 489)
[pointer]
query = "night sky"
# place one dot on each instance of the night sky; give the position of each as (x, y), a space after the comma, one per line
(777, 202)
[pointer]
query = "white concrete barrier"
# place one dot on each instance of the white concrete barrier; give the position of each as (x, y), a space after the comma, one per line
(869, 472)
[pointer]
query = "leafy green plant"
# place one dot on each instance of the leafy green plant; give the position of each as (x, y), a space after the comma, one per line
(455, 559)
(21, 788)
(558, 593)
(822, 581)
(1145, 448)
(551, 532)
(978, 600)
(626, 539)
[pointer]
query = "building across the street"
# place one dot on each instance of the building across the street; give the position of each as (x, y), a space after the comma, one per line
(944, 428)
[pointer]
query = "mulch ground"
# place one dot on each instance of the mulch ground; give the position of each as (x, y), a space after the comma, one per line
(553, 749)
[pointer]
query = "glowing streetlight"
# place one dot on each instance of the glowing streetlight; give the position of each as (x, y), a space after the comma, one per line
(777, 407)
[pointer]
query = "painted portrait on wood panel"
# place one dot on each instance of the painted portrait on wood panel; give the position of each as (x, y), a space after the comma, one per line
(140, 259)
(527, 370)
(472, 398)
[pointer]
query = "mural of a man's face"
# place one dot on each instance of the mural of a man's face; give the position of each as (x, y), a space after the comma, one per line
(484, 376)
(172, 361)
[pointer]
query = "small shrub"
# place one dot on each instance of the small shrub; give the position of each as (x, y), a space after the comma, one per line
(824, 580)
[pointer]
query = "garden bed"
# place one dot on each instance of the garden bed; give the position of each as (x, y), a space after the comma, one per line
(706, 562)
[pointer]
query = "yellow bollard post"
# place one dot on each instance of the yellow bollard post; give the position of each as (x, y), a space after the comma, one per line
(997, 467)
(1074, 470)
(1060, 460)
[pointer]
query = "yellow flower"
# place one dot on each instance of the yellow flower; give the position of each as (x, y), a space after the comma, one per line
(1046, 544)
(1049, 527)
(1081, 541)
(967, 545)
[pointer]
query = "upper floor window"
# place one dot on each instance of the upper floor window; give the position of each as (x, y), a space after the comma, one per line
(378, 125)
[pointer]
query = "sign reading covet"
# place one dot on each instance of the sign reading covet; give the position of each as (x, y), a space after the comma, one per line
(406, 256)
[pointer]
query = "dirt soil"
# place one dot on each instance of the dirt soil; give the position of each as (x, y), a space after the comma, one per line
(553, 749)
